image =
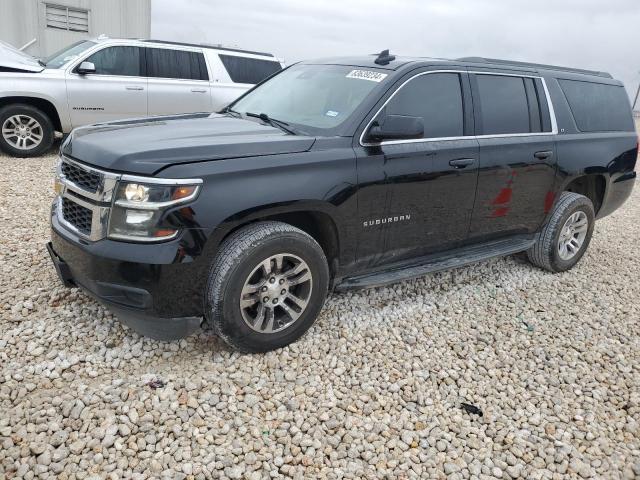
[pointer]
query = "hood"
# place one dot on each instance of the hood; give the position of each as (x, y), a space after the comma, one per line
(14, 60)
(144, 146)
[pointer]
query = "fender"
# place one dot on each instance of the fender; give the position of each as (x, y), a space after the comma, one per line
(34, 85)
(238, 191)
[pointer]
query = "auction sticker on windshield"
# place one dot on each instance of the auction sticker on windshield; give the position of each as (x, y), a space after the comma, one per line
(367, 75)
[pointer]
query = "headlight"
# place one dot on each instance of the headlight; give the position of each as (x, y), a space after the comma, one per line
(139, 208)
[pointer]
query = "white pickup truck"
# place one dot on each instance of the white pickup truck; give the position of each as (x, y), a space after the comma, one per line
(107, 79)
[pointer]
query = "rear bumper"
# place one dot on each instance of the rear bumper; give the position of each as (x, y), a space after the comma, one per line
(148, 287)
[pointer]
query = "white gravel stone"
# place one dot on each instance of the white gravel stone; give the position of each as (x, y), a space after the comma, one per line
(373, 390)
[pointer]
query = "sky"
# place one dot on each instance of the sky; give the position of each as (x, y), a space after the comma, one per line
(592, 34)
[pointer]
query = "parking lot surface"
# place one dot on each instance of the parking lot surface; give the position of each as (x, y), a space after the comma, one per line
(551, 363)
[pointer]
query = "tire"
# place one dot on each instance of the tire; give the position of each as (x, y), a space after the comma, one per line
(547, 252)
(39, 126)
(241, 266)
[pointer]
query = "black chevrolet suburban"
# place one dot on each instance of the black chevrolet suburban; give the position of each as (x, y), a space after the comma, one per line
(334, 174)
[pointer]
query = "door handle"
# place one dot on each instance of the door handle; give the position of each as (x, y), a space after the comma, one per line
(134, 87)
(543, 155)
(199, 90)
(462, 162)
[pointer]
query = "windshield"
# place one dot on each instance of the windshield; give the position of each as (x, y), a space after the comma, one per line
(317, 96)
(65, 55)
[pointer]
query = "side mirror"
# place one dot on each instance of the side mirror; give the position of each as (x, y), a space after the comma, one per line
(86, 67)
(397, 127)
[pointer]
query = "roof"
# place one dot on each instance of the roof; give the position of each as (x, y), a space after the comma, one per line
(399, 62)
(513, 63)
(369, 61)
(104, 38)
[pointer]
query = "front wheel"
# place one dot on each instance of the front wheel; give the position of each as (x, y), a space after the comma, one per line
(266, 286)
(566, 236)
(25, 131)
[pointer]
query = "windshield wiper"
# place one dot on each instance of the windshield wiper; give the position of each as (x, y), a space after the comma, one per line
(231, 111)
(284, 126)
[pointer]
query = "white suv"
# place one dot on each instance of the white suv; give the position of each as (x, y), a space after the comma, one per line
(107, 79)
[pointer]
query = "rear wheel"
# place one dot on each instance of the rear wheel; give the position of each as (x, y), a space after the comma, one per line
(25, 130)
(266, 287)
(565, 238)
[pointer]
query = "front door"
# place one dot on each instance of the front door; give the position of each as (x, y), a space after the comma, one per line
(416, 196)
(178, 81)
(517, 155)
(116, 90)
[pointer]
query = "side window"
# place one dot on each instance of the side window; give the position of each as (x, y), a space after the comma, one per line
(124, 61)
(504, 105)
(249, 70)
(598, 107)
(437, 98)
(177, 64)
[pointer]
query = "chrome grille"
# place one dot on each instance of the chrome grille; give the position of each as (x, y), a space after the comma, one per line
(84, 198)
(86, 179)
(78, 216)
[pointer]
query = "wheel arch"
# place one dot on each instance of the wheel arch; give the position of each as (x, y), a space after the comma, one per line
(591, 185)
(43, 104)
(314, 218)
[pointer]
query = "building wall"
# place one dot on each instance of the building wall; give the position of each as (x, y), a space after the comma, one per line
(23, 20)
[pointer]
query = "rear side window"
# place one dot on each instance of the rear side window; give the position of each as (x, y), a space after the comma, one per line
(248, 70)
(178, 64)
(503, 104)
(597, 107)
(437, 99)
(124, 61)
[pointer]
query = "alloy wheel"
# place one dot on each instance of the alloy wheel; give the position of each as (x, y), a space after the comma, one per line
(572, 235)
(276, 293)
(22, 132)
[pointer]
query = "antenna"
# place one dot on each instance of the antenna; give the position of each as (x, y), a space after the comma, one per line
(384, 58)
(636, 99)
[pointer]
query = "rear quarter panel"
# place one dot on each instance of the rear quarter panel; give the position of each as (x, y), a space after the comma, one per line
(610, 154)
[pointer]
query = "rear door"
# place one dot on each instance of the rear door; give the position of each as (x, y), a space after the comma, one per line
(517, 154)
(117, 90)
(178, 81)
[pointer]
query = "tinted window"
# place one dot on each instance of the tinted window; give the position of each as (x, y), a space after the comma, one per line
(179, 64)
(437, 99)
(249, 70)
(123, 61)
(503, 102)
(597, 107)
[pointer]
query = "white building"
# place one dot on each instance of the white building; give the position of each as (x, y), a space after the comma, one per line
(46, 26)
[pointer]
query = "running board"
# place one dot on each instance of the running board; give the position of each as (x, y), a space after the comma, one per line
(437, 262)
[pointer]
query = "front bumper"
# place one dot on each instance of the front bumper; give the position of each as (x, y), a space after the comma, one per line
(155, 289)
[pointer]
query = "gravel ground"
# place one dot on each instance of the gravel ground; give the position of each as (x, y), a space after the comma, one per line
(374, 390)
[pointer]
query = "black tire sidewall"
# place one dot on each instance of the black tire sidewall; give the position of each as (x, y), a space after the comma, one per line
(233, 325)
(558, 264)
(41, 117)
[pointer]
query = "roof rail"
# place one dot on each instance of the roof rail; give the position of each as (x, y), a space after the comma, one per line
(496, 61)
(206, 45)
